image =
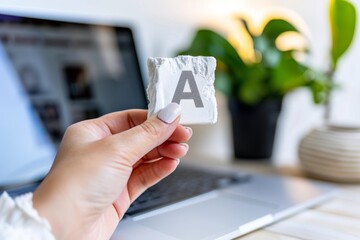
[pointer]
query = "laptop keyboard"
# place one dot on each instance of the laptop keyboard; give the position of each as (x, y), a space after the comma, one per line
(184, 183)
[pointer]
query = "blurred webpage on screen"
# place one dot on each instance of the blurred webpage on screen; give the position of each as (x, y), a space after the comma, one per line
(26, 151)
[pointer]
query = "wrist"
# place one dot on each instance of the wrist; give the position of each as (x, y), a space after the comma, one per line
(51, 203)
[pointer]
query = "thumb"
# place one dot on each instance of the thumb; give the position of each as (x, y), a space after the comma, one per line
(138, 141)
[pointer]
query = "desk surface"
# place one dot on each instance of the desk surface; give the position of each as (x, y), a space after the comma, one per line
(338, 218)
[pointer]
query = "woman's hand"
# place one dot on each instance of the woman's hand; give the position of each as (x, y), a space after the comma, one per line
(103, 165)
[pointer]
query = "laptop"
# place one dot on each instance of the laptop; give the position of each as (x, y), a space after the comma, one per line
(55, 73)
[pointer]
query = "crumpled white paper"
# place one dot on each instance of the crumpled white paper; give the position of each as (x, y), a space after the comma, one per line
(164, 76)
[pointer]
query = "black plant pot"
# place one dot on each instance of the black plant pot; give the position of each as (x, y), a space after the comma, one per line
(254, 128)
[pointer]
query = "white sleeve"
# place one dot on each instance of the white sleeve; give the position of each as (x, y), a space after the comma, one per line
(19, 220)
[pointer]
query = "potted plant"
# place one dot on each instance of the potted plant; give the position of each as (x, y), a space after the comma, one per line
(255, 89)
(332, 151)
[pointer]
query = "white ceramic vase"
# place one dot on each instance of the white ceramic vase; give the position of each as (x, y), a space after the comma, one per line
(332, 153)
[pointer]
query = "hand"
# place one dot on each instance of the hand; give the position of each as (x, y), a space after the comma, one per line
(103, 165)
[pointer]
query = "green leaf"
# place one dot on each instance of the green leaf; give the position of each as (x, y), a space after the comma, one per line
(342, 24)
(253, 90)
(261, 43)
(319, 85)
(210, 43)
(223, 82)
(275, 27)
(265, 43)
(288, 75)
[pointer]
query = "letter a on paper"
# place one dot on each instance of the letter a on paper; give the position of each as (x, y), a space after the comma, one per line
(187, 76)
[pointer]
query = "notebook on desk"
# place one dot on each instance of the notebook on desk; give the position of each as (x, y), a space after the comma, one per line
(61, 72)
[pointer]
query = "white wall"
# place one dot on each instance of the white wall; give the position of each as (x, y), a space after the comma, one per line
(166, 26)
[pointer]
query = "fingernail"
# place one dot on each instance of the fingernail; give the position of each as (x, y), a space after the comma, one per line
(190, 130)
(185, 146)
(177, 160)
(169, 113)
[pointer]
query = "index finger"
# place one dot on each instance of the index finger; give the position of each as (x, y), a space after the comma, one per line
(117, 122)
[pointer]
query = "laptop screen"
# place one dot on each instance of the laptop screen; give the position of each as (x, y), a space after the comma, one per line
(69, 72)
(73, 71)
